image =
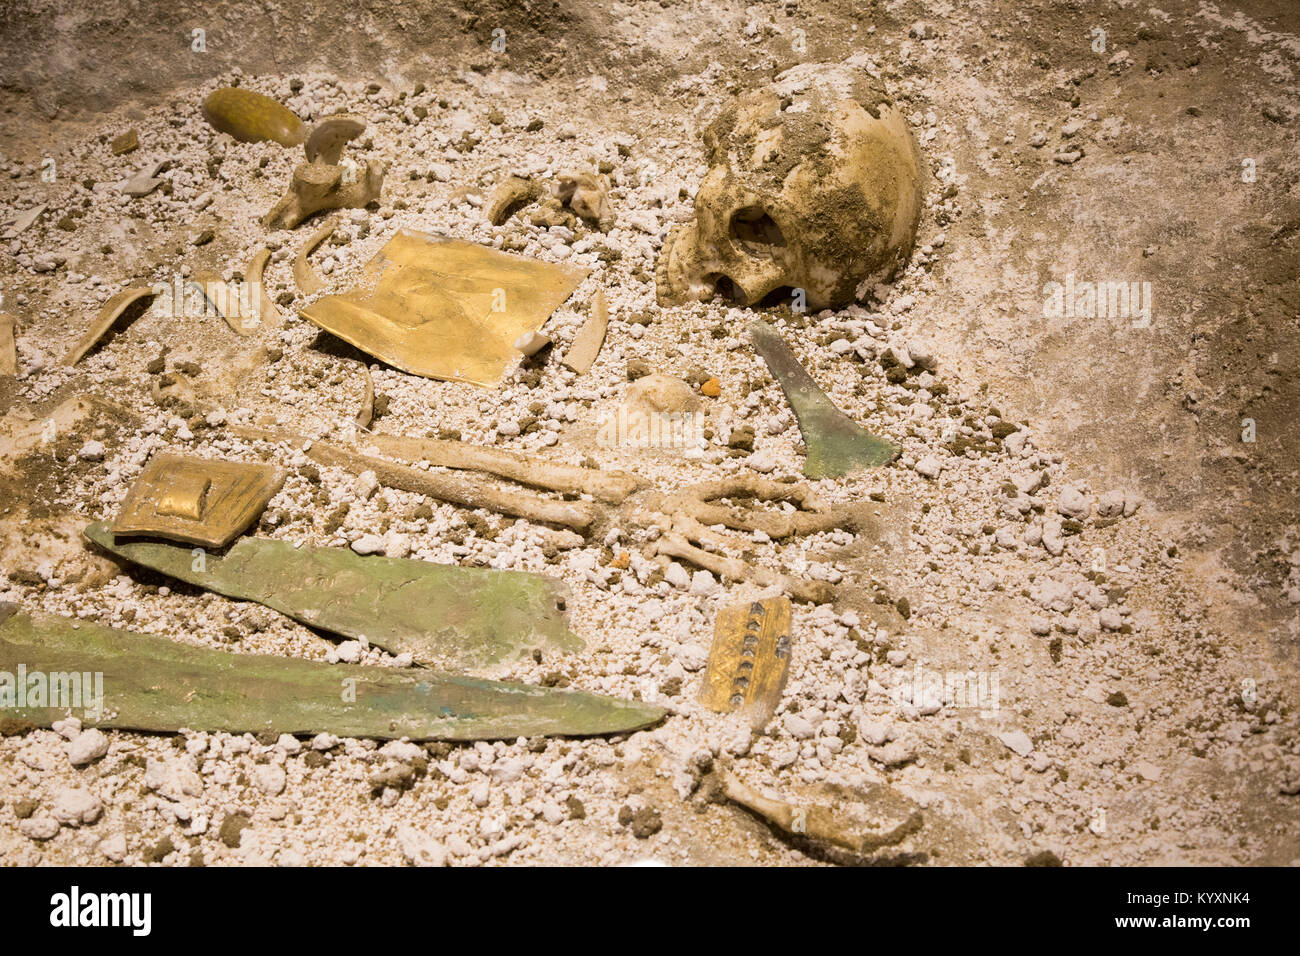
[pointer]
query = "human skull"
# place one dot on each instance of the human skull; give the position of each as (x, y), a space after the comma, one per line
(814, 184)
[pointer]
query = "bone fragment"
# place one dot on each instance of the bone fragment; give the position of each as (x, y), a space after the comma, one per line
(611, 486)
(586, 344)
(218, 295)
(8, 350)
(675, 545)
(816, 823)
(587, 194)
(530, 343)
(110, 313)
(329, 136)
(253, 276)
(469, 492)
(509, 197)
(309, 283)
(317, 186)
(367, 413)
(23, 221)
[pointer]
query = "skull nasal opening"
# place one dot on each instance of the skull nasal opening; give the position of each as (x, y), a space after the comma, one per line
(726, 289)
(755, 230)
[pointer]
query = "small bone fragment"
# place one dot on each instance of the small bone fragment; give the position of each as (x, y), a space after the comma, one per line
(309, 283)
(316, 186)
(460, 490)
(144, 182)
(676, 546)
(23, 221)
(814, 822)
(8, 350)
(551, 212)
(113, 310)
(330, 135)
(268, 314)
(509, 197)
(367, 413)
(554, 540)
(530, 343)
(587, 194)
(586, 344)
(611, 486)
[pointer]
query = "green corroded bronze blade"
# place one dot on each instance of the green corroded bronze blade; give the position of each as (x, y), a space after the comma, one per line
(445, 616)
(154, 684)
(836, 444)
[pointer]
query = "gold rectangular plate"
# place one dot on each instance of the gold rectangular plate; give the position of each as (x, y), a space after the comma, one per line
(197, 500)
(446, 309)
(750, 659)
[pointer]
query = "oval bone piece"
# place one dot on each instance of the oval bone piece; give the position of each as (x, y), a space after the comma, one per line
(330, 135)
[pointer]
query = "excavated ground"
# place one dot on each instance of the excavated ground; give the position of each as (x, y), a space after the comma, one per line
(1145, 665)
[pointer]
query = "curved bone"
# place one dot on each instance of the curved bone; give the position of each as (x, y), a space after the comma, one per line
(509, 197)
(216, 294)
(814, 822)
(586, 344)
(253, 276)
(309, 283)
(110, 313)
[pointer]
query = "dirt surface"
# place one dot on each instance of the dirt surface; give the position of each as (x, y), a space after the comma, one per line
(1098, 515)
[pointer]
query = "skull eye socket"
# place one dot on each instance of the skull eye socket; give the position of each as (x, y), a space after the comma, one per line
(755, 231)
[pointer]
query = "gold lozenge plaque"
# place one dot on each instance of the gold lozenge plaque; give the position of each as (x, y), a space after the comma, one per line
(446, 309)
(197, 500)
(750, 659)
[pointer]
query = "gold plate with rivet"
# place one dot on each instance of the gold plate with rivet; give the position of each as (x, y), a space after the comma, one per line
(750, 659)
(197, 500)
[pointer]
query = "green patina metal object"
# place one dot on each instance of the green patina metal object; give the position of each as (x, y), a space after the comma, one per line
(142, 682)
(836, 444)
(445, 616)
